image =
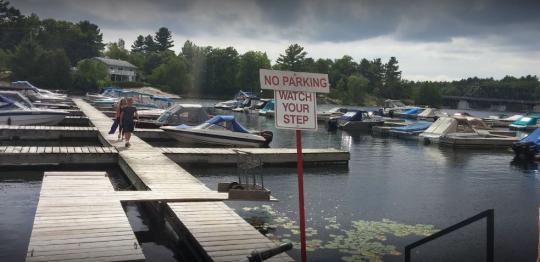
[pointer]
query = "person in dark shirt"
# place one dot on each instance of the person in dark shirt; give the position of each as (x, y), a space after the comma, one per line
(126, 118)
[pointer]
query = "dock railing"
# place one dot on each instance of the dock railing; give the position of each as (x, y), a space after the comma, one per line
(490, 233)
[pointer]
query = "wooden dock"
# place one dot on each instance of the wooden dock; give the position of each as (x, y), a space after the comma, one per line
(47, 155)
(148, 168)
(268, 156)
(77, 219)
(46, 132)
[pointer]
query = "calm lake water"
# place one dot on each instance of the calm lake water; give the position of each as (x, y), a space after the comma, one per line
(392, 193)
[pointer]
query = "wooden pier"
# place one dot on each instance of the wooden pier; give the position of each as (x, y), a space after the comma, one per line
(268, 156)
(149, 169)
(54, 155)
(77, 219)
(46, 132)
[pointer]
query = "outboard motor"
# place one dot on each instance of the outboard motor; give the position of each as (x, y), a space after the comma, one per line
(332, 124)
(268, 136)
(525, 150)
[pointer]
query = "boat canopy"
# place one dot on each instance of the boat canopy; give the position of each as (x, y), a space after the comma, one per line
(190, 114)
(241, 95)
(17, 97)
(24, 85)
(229, 122)
(418, 126)
(526, 121)
(269, 106)
(357, 115)
(5, 102)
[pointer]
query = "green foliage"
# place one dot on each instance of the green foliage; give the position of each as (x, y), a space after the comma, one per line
(293, 59)
(117, 51)
(221, 71)
(90, 75)
(173, 75)
(428, 94)
(138, 46)
(196, 57)
(362, 240)
(248, 70)
(5, 56)
(150, 45)
(46, 68)
(163, 39)
(356, 89)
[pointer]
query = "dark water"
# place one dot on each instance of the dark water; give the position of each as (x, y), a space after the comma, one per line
(392, 193)
(370, 210)
(19, 195)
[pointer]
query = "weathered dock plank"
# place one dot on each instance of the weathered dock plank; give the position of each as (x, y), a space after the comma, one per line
(60, 238)
(27, 155)
(268, 156)
(230, 244)
(46, 132)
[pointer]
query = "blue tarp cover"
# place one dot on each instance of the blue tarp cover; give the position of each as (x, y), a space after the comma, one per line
(418, 126)
(412, 111)
(532, 137)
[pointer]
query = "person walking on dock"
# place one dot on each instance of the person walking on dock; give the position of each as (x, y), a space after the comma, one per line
(121, 104)
(126, 118)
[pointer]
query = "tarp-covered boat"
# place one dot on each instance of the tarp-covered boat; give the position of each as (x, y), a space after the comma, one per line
(529, 146)
(221, 130)
(410, 131)
(525, 123)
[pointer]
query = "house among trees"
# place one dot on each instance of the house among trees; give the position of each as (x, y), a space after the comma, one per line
(119, 70)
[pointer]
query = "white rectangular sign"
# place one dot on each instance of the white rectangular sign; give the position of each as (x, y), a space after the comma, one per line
(294, 81)
(295, 110)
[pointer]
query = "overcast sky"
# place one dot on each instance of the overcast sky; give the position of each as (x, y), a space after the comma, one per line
(433, 40)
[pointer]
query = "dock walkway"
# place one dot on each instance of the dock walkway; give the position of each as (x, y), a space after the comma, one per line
(148, 168)
(268, 156)
(78, 219)
(46, 132)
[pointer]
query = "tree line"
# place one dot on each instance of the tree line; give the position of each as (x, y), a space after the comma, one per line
(58, 54)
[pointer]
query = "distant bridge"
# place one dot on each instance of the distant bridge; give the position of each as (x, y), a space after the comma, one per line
(495, 104)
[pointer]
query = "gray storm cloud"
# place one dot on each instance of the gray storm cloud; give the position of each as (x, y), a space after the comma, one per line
(513, 23)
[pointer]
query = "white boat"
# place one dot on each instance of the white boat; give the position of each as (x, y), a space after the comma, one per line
(358, 121)
(18, 97)
(227, 105)
(430, 114)
(178, 114)
(14, 113)
(221, 130)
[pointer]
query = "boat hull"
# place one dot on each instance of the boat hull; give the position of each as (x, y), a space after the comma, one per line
(29, 118)
(360, 125)
(215, 138)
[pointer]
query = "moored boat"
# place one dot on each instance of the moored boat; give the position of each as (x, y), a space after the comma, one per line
(14, 113)
(528, 147)
(333, 112)
(178, 114)
(358, 121)
(525, 123)
(410, 131)
(221, 130)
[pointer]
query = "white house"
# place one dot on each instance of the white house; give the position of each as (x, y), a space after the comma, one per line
(119, 70)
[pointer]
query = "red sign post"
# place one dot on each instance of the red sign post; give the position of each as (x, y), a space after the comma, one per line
(296, 108)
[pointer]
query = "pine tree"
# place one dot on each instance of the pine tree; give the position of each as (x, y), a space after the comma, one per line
(150, 44)
(163, 39)
(293, 59)
(138, 46)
